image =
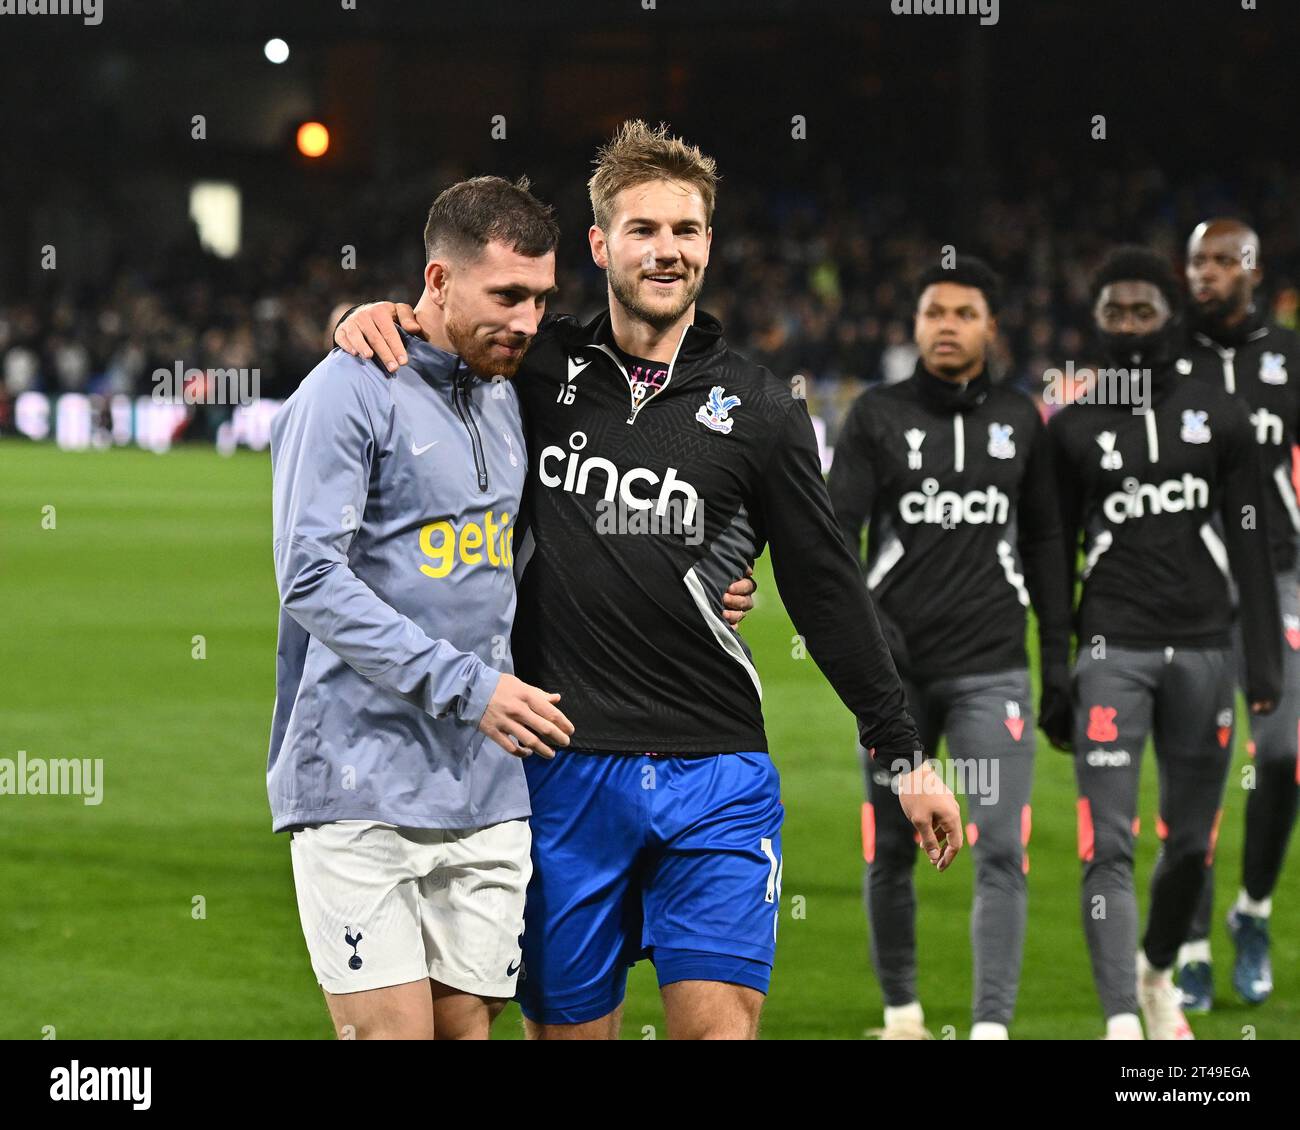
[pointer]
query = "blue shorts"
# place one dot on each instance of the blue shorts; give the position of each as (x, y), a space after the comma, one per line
(673, 858)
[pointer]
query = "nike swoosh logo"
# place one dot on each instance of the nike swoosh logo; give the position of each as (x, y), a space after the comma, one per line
(421, 450)
(513, 969)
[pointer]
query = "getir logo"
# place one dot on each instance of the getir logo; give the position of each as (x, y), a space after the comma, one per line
(1173, 496)
(948, 508)
(577, 476)
(444, 545)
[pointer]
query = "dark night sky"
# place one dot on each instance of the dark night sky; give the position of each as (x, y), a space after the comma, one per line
(918, 100)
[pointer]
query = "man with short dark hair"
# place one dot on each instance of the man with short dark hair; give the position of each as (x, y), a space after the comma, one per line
(399, 729)
(1142, 474)
(951, 473)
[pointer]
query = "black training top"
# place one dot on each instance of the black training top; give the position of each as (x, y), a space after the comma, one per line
(1144, 488)
(650, 492)
(956, 484)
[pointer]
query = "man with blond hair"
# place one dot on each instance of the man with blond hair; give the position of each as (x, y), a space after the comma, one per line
(662, 460)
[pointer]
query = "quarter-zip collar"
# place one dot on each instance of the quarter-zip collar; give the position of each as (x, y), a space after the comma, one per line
(702, 338)
(949, 396)
(1223, 338)
(700, 342)
(437, 366)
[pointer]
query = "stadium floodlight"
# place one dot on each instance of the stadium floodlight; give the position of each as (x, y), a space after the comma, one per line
(276, 50)
(313, 139)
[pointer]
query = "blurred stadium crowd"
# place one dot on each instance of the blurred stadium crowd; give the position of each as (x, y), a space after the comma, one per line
(815, 281)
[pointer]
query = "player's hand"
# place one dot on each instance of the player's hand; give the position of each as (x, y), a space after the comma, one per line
(1263, 706)
(1056, 709)
(521, 719)
(738, 600)
(371, 331)
(934, 813)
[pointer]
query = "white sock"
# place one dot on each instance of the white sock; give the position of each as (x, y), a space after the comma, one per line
(1189, 952)
(987, 1030)
(908, 1012)
(1148, 972)
(1247, 905)
(1124, 1026)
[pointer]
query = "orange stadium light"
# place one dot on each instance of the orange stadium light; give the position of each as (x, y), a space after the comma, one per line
(313, 139)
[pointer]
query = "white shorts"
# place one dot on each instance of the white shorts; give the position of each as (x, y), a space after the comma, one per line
(383, 905)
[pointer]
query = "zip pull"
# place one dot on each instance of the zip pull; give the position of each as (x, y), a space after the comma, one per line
(1153, 442)
(638, 404)
(1229, 370)
(959, 443)
(460, 390)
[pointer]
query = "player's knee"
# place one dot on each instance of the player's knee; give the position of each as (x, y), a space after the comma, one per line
(1186, 853)
(1110, 856)
(1276, 761)
(1273, 739)
(402, 1012)
(895, 854)
(467, 1026)
(384, 1028)
(999, 859)
(731, 1028)
(731, 1013)
(605, 1028)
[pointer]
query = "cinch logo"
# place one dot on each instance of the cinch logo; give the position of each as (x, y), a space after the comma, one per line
(948, 508)
(444, 545)
(1173, 496)
(1107, 758)
(578, 472)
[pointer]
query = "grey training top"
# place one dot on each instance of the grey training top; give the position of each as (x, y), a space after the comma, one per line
(395, 500)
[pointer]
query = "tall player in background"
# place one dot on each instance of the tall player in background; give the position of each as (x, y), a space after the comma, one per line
(657, 833)
(1234, 346)
(1143, 469)
(953, 475)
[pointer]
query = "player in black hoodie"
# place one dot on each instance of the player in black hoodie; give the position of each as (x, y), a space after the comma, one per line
(952, 473)
(1234, 347)
(1144, 462)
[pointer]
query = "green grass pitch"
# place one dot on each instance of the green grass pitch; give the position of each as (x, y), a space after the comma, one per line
(103, 936)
